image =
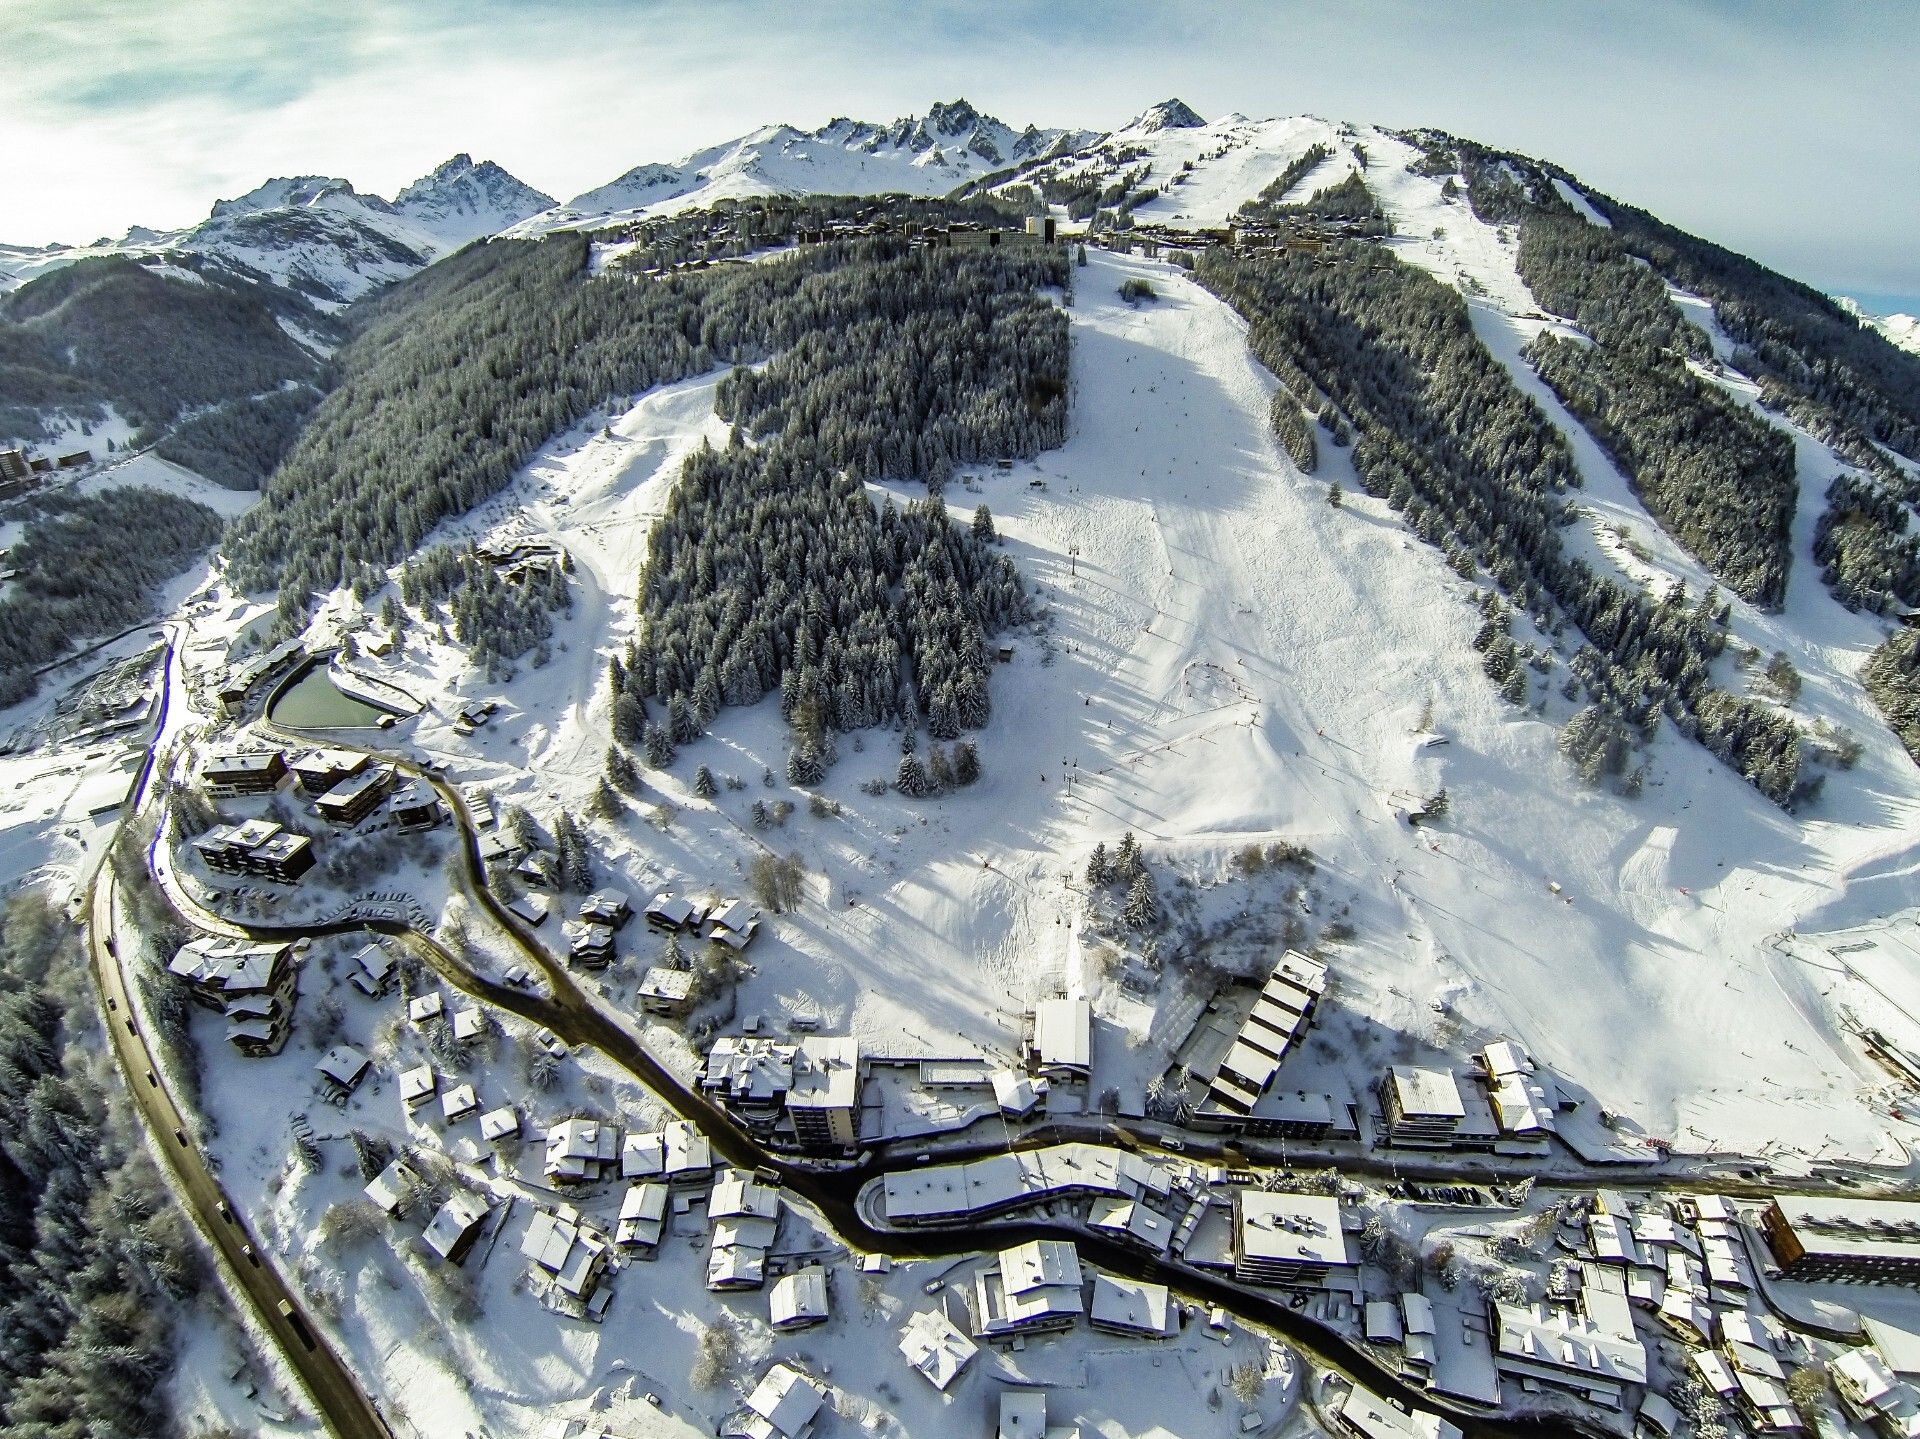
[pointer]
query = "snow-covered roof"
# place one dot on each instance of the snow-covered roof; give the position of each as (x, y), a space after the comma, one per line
(1559, 1340)
(1063, 1033)
(934, 1347)
(1015, 1092)
(501, 1123)
(390, 1187)
(799, 1297)
(826, 1073)
(1023, 1414)
(344, 1065)
(416, 1084)
(1133, 1305)
(1292, 1228)
(457, 1103)
(1372, 1417)
(456, 1219)
(738, 1193)
(788, 1400)
(1027, 1177)
(1433, 1093)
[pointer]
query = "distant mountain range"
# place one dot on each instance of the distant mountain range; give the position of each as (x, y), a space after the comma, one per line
(294, 251)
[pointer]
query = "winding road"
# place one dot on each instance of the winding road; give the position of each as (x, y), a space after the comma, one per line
(570, 1013)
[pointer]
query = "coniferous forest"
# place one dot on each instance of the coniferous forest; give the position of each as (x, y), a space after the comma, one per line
(773, 568)
(93, 1251)
(1717, 477)
(87, 566)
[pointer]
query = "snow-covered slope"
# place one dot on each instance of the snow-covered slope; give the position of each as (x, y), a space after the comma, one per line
(1201, 170)
(934, 154)
(317, 235)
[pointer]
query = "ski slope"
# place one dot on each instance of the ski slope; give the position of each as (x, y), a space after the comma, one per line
(1231, 659)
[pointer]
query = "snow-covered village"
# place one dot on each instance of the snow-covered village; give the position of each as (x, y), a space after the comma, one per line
(1220, 777)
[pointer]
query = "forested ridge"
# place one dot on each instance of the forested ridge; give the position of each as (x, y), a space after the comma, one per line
(455, 377)
(772, 568)
(1716, 476)
(86, 566)
(1443, 434)
(93, 1252)
(153, 345)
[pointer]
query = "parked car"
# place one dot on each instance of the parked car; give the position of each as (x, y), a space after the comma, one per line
(552, 1043)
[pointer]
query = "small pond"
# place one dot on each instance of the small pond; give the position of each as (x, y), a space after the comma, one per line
(311, 700)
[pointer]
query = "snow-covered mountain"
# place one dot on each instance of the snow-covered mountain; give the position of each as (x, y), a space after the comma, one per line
(317, 235)
(461, 201)
(1902, 330)
(950, 146)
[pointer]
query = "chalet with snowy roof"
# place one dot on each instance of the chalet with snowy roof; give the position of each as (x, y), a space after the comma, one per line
(424, 1007)
(452, 1231)
(643, 1216)
(417, 1086)
(252, 985)
(1018, 1095)
(581, 1151)
(783, 1405)
(569, 1253)
(589, 944)
(1133, 1308)
(1525, 1101)
(343, 1067)
(799, 1300)
(244, 772)
(666, 992)
(415, 806)
(372, 969)
(468, 1024)
(1032, 1288)
(745, 1214)
(393, 1187)
(610, 907)
(667, 911)
(1062, 1046)
(497, 1125)
(458, 1103)
(1365, 1415)
(533, 909)
(733, 924)
(935, 1348)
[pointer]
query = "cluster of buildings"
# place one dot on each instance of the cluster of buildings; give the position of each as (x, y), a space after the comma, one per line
(1029, 1290)
(804, 1092)
(1506, 1104)
(21, 472)
(344, 786)
(253, 985)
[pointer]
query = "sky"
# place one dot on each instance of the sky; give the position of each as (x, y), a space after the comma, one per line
(1789, 131)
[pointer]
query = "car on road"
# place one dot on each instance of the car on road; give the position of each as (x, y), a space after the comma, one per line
(550, 1042)
(652, 1398)
(296, 1323)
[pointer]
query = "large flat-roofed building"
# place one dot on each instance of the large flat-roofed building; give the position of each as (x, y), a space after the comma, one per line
(355, 797)
(1853, 1241)
(1292, 1240)
(1062, 1046)
(320, 770)
(957, 1193)
(244, 772)
(258, 847)
(1280, 1017)
(1420, 1106)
